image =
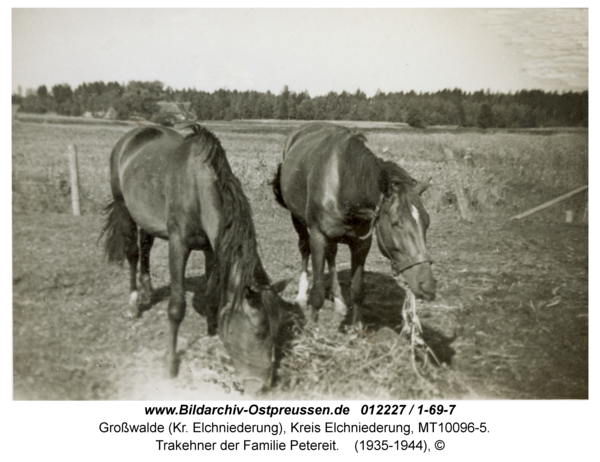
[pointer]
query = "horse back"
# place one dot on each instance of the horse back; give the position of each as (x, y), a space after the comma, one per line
(154, 172)
(321, 180)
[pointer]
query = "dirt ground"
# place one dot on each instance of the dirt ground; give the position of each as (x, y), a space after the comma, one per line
(513, 293)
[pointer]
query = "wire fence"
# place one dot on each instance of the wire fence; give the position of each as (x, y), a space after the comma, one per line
(53, 195)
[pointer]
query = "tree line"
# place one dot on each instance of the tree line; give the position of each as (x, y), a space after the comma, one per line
(484, 109)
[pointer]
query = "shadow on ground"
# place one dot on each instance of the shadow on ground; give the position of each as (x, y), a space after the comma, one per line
(291, 321)
(383, 309)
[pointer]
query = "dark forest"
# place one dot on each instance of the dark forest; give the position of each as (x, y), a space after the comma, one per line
(449, 107)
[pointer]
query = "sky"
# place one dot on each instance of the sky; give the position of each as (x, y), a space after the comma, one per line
(314, 50)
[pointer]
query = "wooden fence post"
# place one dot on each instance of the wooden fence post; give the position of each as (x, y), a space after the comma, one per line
(74, 179)
(545, 205)
(463, 203)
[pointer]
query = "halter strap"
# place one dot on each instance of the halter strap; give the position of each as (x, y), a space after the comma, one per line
(405, 262)
(374, 220)
(411, 260)
(372, 226)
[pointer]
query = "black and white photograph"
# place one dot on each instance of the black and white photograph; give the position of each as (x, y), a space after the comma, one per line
(300, 204)
(339, 134)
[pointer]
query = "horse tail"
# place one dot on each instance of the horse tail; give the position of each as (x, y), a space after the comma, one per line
(115, 232)
(276, 185)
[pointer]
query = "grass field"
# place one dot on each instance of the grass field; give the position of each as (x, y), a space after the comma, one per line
(502, 172)
(514, 294)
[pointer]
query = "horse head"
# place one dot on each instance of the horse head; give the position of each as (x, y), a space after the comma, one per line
(250, 332)
(401, 229)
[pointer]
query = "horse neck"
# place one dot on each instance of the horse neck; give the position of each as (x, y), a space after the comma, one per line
(248, 273)
(238, 263)
(245, 271)
(361, 176)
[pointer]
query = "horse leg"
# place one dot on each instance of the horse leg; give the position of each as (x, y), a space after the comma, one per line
(316, 297)
(212, 308)
(132, 252)
(335, 290)
(178, 256)
(304, 247)
(146, 241)
(359, 249)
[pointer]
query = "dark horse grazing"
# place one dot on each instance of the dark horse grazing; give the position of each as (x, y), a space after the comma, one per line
(338, 191)
(183, 190)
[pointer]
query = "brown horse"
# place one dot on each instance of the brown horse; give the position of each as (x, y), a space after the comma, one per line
(183, 190)
(338, 191)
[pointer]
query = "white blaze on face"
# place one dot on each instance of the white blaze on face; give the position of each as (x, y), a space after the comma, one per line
(415, 213)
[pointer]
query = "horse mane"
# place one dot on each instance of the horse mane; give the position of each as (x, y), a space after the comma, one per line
(236, 244)
(366, 170)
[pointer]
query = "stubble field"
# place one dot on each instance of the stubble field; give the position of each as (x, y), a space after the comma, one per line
(511, 316)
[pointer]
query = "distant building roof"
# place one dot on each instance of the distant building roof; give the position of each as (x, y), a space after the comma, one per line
(111, 113)
(181, 110)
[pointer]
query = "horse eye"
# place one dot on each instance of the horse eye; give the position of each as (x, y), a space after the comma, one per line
(396, 224)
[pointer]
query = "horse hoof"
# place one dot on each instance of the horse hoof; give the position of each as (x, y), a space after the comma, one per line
(173, 367)
(356, 317)
(212, 330)
(133, 297)
(144, 300)
(301, 301)
(133, 312)
(339, 306)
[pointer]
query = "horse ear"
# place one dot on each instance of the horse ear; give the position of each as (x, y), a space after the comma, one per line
(253, 296)
(385, 185)
(281, 285)
(423, 185)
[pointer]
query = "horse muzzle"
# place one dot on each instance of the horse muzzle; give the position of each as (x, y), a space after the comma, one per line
(427, 290)
(417, 274)
(254, 381)
(254, 386)
(256, 374)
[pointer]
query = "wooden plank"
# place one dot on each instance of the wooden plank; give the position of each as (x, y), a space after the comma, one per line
(74, 179)
(463, 203)
(549, 203)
